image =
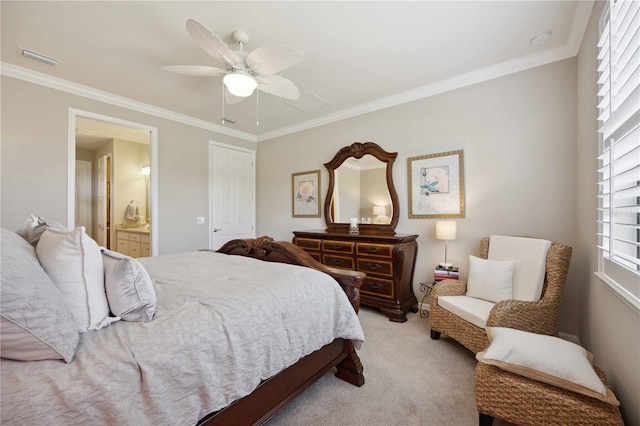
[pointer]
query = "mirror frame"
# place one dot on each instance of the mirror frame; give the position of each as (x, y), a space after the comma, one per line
(357, 150)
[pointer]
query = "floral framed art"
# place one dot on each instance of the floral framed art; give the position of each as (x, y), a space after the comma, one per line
(305, 190)
(436, 185)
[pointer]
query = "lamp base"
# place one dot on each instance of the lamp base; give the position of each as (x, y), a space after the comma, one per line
(445, 265)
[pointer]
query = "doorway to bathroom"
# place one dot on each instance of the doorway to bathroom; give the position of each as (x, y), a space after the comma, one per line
(122, 162)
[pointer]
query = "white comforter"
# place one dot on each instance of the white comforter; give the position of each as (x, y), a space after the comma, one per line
(223, 323)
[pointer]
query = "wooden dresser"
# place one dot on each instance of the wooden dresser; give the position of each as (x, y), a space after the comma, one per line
(388, 261)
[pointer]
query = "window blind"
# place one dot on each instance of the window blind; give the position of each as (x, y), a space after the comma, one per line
(619, 153)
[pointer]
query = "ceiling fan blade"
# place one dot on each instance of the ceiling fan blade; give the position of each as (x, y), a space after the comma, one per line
(210, 43)
(273, 58)
(197, 70)
(278, 86)
(232, 99)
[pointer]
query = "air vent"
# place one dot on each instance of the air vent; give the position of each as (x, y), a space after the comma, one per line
(229, 120)
(39, 57)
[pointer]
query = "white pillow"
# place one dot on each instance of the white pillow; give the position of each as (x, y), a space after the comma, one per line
(490, 279)
(547, 359)
(74, 263)
(129, 287)
(35, 321)
(530, 257)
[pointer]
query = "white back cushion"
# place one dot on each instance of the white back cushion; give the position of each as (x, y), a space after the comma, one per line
(529, 256)
(74, 263)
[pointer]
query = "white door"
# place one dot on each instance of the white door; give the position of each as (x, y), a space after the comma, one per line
(101, 238)
(83, 195)
(232, 200)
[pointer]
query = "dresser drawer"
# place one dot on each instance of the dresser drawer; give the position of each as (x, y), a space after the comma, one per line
(378, 286)
(308, 243)
(375, 266)
(338, 261)
(134, 237)
(337, 246)
(122, 235)
(370, 249)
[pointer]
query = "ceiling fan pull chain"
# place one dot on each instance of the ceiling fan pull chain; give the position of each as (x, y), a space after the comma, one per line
(257, 108)
(223, 103)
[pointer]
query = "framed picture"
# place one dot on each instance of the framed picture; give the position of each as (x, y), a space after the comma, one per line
(436, 185)
(306, 198)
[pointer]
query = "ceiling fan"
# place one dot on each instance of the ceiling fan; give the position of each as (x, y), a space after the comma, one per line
(244, 72)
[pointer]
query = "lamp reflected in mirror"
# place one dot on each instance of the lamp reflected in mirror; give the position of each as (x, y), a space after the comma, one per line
(379, 212)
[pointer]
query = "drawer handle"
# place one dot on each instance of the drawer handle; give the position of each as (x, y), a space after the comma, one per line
(337, 261)
(306, 243)
(336, 246)
(373, 249)
(375, 285)
(374, 266)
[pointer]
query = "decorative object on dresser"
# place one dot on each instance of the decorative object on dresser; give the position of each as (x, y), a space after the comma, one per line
(387, 260)
(436, 185)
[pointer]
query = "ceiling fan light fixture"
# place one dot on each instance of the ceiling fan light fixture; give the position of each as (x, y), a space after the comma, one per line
(240, 83)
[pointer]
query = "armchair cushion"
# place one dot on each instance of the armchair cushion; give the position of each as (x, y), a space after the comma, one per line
(490, 280)
(546, 359)
(529, 255)
(475, 311)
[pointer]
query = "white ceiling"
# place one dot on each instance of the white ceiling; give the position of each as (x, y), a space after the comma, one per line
(360, 56)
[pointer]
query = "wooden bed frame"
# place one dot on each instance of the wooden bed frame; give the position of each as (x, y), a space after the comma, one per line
(273, 394)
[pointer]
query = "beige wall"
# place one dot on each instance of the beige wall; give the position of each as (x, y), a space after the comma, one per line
(518, 136)
(609, 327)
(34, 162)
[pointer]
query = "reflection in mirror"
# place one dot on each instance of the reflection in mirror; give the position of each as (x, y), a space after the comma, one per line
(361, 192)
(361, 188)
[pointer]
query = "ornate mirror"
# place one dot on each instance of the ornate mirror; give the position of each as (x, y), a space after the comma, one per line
(361, 186)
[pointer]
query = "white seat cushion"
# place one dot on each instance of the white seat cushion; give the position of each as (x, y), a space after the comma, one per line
(530, 257)
(475, 311)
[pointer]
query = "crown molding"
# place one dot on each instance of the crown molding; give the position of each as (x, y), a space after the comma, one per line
(15, 71)
(447, 85)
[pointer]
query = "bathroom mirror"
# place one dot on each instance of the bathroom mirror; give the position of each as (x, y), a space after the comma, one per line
(361, 187)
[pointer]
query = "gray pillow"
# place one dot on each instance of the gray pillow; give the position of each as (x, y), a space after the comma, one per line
(35, 321)
(129, 287)
(33, 235)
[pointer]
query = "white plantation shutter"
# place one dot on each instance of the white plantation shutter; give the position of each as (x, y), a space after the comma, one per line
(619, 156)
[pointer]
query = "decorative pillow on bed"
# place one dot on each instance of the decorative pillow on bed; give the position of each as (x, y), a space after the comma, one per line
(74, 263)
(547, 359)
(35, 226)
(490, 280)
(35, 321)
(129, 287)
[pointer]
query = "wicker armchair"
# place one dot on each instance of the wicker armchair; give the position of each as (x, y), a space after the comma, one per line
(537, 317)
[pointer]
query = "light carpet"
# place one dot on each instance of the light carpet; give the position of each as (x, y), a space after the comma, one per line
(409, 380)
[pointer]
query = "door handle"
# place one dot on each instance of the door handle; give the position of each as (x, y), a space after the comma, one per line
(216, 229)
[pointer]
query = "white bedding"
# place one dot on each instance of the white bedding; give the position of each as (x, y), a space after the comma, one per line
(223, 323)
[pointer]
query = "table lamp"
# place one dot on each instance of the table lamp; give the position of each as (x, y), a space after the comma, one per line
(379, 211)
(445, 230)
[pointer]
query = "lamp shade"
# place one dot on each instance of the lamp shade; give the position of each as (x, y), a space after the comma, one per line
(240, 83)
(446, 230)
(379, 211)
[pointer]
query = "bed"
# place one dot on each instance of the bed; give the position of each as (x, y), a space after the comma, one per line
(237, 334)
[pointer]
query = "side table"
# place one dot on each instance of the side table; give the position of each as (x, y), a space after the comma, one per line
(426, 288)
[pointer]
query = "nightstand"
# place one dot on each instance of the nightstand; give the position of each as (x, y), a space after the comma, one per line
(426, 288)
